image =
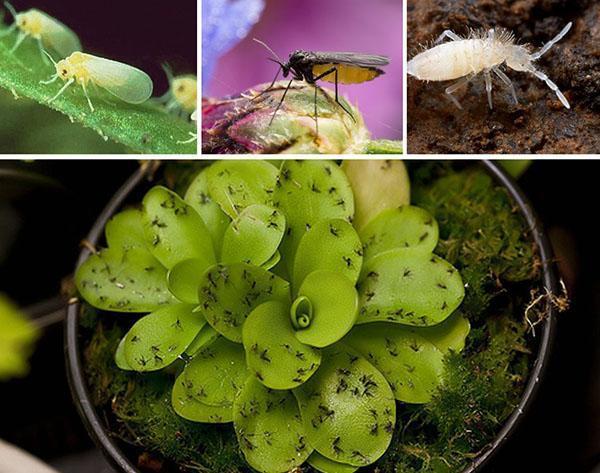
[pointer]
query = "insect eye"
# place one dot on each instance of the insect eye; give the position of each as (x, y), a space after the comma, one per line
(64, 72)
(181, 88)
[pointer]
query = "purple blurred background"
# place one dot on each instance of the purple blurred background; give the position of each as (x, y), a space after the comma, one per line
(366, 26)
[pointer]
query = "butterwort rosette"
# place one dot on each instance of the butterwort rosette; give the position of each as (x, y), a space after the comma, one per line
(299, 302)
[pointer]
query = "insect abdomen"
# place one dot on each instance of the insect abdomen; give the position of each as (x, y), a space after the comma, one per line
(346, 74)
(455, 59)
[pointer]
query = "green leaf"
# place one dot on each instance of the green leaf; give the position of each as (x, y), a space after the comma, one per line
(402, 227)
(451, 334)
(174, 231)
(237, 184)
(348, 409)
(412, 365)
(253, 237)
(199, 197)
(186, 406)
(17, 337)
(308, 192)
(124, 281)
(332, 308)
(269, 430)
(120, 359)
(408, 288)
(325, 465)
(217, 373)
(125, 230)
(144, 128)
(206, 336)
(184, 279)
(228, 293)
(329, 245)
(156, 340)
(273, 353)
(377, 185)
(384, 147)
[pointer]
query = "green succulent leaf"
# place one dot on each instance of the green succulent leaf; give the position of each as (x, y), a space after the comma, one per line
(348, 408)
(401, 227)
(308, 192)
(144, 128)
(206, 336)
(408, 288)
(124, 281)
(184, 278)
(377, 185)
(273, 353)
(325, 465)
(269, 430)
(228, 293)
(217, 373)
(330, 245)
(199, 197)
(451, 334)
(254, 236)
(272, 261)
(174, 230)
(412, 365)
(235, 185)
(333, 308)
(120, 359)
(158, 339)
(186, 406)
(125, 230)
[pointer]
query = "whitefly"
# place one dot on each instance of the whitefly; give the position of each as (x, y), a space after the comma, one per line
(486, 52)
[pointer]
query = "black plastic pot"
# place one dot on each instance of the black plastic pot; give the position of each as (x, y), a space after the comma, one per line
(110, 446)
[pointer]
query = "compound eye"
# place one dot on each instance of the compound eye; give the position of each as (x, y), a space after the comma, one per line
(64, 72)
(181, 88)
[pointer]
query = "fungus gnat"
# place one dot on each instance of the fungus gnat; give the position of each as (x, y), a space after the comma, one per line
(122, 80)
(484, 51)
(47, 31)
(332, 67)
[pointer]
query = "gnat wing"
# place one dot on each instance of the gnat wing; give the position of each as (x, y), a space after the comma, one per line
(58, 36)
(126, 82)
(355, 59)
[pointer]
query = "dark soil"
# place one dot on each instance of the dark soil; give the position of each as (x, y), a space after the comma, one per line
(539, 124)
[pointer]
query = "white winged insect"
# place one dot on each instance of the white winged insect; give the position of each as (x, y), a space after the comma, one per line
(182, 95)
(47, 31)
(126, 82)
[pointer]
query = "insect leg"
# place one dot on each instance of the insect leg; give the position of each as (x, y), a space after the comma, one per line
(60, 92)
(52, 79)
(268, 88)
(281, 101)
(457, 85)
(488, 87)
(504, 78)
(540, 75)
(20, 38)
(8, 31)
(552, 42)
(335, 71)
(44, 57)
(316, 112)
(448, 34)
(87, 96)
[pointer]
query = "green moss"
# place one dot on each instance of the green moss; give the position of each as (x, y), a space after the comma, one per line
(483, 235)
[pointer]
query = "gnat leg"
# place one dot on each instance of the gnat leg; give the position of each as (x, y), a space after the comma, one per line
(488, 87)
(448, 34)
(334, 71)
(44, 57)
(268, 88)
(60, 92)
(281, 101)
(552, 42)
(504, 78)
(540, 75)
(457, 85)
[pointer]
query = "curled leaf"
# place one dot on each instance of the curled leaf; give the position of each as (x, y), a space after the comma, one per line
(269, 430)
(174, 231)
(401, 227)
(408, 288)
(205, 337)
(253, 237)
(184, 278)
(412, 365)
(236, 185)
(157, 339)
(325, 465)
(125, 230)
(186, 406)
(273, 353)
(331, 311)
(330, 245)
(348, 409)
(228, 293)
(119, 280)
(217, 373)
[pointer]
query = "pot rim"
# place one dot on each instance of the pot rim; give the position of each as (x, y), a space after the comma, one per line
(115, 455)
